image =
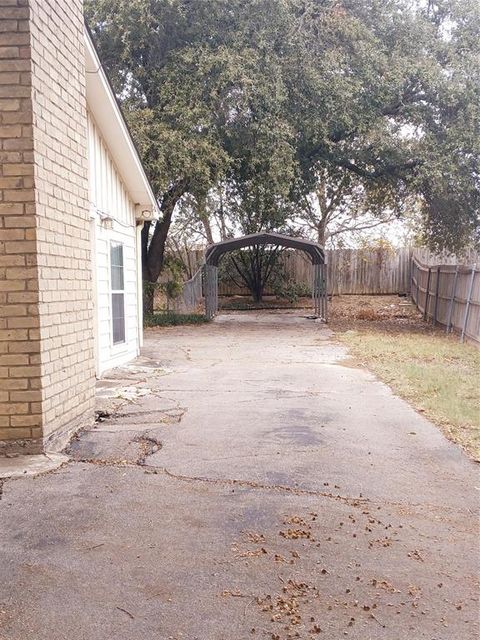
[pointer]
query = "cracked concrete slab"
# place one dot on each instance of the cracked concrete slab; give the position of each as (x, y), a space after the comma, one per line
(126, 446)
(31, 465)
(264, 489)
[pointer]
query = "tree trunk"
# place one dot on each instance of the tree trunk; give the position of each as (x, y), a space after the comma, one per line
(148, 285)
(257, 294)
(221, 214)
(321, 233)
(202, 214)
(156, 249)
(153, 251)
(148, 297)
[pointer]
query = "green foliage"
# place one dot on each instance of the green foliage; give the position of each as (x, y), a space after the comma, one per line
(172, 288)
(175, 269)
(286, 288)
(265, 96)
(149, 288)
(171, 319)
(406, 116)
(155, 55)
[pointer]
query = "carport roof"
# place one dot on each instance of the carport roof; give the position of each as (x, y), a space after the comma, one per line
(215, 251)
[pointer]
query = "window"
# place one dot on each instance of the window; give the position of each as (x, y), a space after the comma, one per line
(118, 293)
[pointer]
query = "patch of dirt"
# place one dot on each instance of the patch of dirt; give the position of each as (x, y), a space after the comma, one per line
(148, 446)
(391, 313)
(383, 313)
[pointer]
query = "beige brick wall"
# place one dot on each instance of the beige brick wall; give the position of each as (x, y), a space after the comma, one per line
(20, 413)
(46, 319)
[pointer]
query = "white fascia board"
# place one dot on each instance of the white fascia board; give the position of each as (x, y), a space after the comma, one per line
(109, 119)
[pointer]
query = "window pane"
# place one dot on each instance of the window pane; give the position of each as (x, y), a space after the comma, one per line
(117, 278)
(118, 318)
(116, 254)
(116, 267)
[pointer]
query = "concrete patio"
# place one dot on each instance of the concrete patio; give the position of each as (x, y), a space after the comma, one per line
(245, 480)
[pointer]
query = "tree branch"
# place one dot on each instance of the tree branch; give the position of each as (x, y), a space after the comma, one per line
(360, 227)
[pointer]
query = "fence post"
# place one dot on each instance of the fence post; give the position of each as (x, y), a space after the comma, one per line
(412, 278)
(416, 270)
(437, 284)
(427, 293)
(414, 274)
(452, 301)
(418, 285)
(467, 307)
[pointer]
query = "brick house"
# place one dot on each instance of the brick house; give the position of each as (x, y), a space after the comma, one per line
(73, 195)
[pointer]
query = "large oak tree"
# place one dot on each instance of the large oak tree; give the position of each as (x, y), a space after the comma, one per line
(266, 97)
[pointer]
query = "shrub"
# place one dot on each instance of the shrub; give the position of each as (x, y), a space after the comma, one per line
(171, 319)
(286, 288)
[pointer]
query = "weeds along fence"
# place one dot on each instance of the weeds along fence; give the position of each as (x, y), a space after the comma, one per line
(448, 295)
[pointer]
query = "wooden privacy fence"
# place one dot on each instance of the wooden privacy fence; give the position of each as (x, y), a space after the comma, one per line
(448, 295)
(356, 271)
(369, 271)
(349, 271)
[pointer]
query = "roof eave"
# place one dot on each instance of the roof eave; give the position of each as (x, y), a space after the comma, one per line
(107, 114)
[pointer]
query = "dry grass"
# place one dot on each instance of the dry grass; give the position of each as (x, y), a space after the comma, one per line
(437, 374)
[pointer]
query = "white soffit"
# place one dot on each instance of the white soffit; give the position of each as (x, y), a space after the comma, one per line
(109, 119)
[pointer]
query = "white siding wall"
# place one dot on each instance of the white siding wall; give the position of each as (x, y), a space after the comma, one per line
(109, 198)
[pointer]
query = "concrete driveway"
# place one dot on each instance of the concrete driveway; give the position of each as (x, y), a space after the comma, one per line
(251, 483)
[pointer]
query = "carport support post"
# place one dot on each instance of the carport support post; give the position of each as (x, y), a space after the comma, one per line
(319, 290)
(414, 283)
(211, 290)
(324, 291)
(215, 290)
(417, 279)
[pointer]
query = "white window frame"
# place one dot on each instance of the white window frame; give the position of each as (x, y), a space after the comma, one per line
(117, 346)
